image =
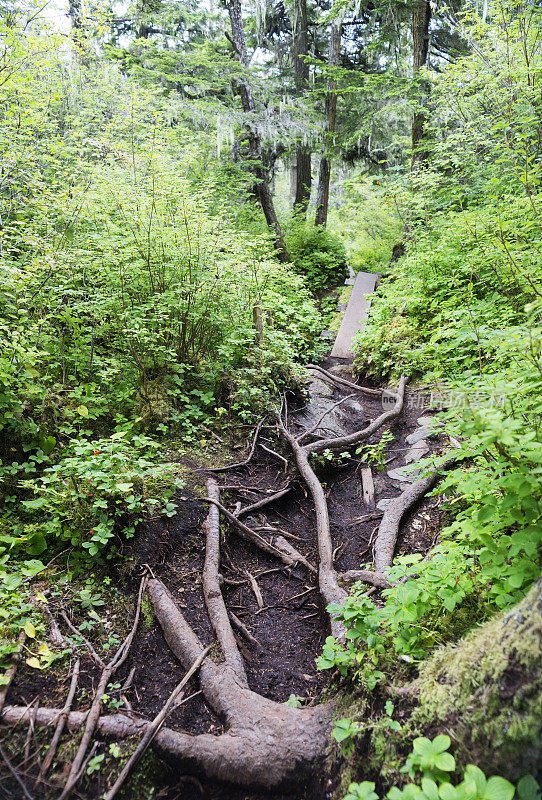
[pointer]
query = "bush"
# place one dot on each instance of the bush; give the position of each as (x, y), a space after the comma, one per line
(317, 254)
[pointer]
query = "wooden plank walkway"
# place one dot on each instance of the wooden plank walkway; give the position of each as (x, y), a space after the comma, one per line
(356, 313)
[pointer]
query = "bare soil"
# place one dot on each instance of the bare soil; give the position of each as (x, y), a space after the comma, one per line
(290, 628)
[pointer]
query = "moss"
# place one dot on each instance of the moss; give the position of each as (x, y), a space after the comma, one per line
(486, 692)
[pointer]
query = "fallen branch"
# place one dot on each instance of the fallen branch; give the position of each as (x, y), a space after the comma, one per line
(88, 645)
(242, 628)
(93, 715)
(263, 502)
(285, 554)
(154, 727)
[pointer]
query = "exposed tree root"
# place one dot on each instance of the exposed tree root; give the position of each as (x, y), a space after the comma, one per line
(342, 382)
(388, 531)
(344, 442)
(278, 547)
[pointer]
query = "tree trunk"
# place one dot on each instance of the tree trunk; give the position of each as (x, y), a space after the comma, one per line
(261, 188)
(300, 48)
(322, 198)
(421, 18)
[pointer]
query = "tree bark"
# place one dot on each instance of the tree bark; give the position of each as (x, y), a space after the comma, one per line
(261, 188)
(322, 198)
(300, 49)
(421, 19)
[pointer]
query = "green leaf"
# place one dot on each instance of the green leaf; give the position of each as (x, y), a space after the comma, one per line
(498, 788)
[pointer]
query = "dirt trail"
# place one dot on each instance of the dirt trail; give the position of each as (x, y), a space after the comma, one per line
(291, 626)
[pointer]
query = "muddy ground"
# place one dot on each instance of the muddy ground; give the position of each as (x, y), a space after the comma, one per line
(291, 627)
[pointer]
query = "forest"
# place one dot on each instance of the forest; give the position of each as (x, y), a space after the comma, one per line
(236, 561)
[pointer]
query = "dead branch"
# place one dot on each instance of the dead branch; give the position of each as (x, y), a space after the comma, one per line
(263, 502)
(274, 453)
(342, 382)
(285, 554)
(256, 589)
(61, 722)
(242, 628)
(154, 727)
(93, 715)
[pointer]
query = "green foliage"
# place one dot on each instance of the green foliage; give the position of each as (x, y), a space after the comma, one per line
(316, 254)
(429, 766)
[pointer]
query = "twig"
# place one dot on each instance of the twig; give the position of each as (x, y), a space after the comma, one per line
(61, 722)
(15, 774)
(93, 715)
(77, 632)
(265, 501)
(242, 628)
(155, 726)
(249, 457)
(256, 590)
(274, 453)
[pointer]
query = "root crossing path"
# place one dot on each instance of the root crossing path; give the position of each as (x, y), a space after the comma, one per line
(239, 584)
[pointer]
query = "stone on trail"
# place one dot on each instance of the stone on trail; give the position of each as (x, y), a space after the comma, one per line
(417, 451)
(421, 433)
(334, 424)
(400, 474)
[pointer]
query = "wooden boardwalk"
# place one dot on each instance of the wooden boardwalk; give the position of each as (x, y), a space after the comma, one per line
(356, 313)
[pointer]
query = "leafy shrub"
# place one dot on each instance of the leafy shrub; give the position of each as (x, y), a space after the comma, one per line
(316, 254)
(430, 767)
(99, 490)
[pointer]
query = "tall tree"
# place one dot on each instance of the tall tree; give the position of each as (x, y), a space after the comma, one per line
(421, 19)
(261, 188)
(322, 198)
(300, 49)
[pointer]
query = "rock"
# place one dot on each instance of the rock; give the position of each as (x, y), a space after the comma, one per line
(349, 282)
(455, 442)
(383, 504)
(318, 388)
(400, 474)
(341, 306)
(330, 335)
(333, 424)
(417, 451)
(421, 433)
(354, 406)
(424, 422)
